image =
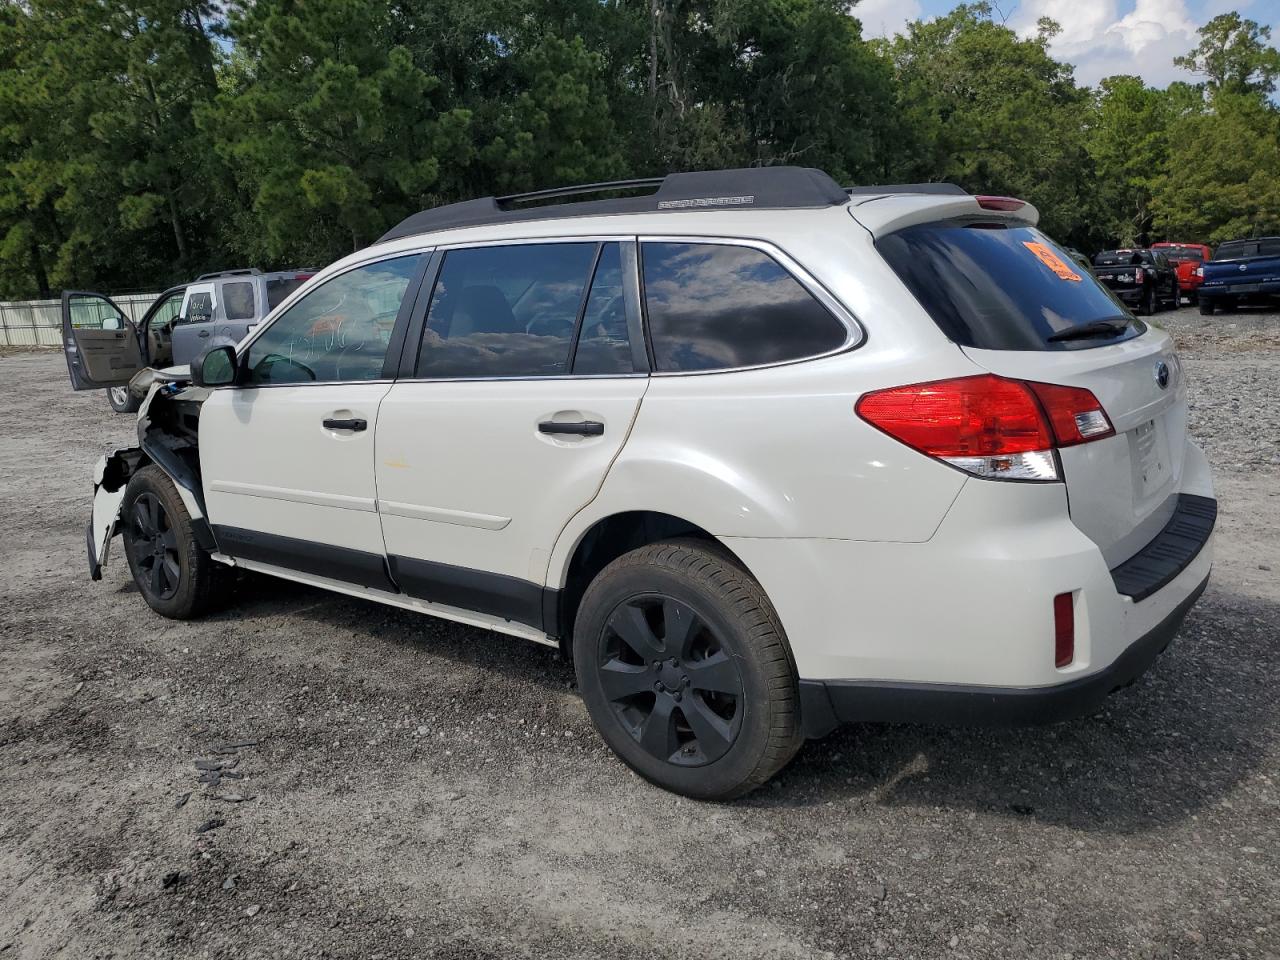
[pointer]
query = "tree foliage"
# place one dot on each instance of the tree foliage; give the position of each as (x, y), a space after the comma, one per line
(144, 141)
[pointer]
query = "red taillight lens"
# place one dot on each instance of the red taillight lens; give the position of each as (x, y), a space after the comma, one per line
(986, 425)
(1074, 412)
(966, 417)
(1139, 275)
(1000, 203)
(1064, 630)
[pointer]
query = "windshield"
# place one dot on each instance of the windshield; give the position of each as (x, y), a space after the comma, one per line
(1182, 254)
(1000, 286)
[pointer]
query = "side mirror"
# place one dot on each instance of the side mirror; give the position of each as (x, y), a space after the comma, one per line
(216, 367)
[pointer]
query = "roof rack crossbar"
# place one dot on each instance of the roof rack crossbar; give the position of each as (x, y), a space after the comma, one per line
(579, 190)
(242, 272)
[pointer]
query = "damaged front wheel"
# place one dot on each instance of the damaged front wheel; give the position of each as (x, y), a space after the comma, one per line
(175, 576)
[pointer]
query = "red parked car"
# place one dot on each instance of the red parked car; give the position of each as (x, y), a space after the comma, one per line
(1186, 258)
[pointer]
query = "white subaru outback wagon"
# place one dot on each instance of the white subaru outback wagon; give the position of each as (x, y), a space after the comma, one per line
(761, 453)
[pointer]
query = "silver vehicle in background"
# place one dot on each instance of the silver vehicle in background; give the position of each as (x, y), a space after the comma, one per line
(183, 322)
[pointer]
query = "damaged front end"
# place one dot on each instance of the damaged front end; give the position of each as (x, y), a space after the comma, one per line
(168, 432)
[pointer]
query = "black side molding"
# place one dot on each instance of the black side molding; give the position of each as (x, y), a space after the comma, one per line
(1172, 550)
(306, 556)
(825, 704)
(490, 593)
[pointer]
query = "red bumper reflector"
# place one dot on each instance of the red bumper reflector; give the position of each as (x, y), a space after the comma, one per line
(1064, 629)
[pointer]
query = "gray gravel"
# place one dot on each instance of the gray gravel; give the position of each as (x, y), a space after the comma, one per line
(421, 789)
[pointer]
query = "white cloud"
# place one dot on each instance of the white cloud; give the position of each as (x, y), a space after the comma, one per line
(884, 18)
(1100, 41)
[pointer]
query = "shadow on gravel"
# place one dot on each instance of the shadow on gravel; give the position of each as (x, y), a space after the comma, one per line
(1168, 747)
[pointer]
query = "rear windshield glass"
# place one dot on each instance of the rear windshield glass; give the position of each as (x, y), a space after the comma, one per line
(1182, 254)
(1234, 249)
(1000, 287)
(280, 288)
(1110, 258)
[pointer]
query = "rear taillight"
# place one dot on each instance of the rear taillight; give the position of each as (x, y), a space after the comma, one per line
(986, 425)
(1139, 275)
(1199, 271)
(1064, 630)
(1074, 412)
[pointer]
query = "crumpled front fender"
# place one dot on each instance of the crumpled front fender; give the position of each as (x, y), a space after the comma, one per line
(110, 478)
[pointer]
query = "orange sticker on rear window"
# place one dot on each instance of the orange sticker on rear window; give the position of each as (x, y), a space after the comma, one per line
(1052, 260)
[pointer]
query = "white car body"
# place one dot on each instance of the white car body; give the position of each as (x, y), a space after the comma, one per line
(903, 583)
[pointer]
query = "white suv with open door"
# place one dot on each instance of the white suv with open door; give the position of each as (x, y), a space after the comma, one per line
(761, 453)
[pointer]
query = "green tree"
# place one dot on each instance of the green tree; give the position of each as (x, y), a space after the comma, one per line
(104, 174)
(332, 130)
(994, 112)
(1233, 57)
(1128, 142)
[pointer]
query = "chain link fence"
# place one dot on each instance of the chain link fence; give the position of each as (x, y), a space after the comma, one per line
(38, 323)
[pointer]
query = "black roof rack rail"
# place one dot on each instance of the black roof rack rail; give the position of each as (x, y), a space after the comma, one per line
(934, 189)
(755, 188)
(242, 272)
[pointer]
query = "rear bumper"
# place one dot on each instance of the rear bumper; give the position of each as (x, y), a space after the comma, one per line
(1240, 291)
(1128, 294)
(824, 704)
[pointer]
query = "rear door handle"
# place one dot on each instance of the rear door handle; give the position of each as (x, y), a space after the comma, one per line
(353, 424)
(585, 428)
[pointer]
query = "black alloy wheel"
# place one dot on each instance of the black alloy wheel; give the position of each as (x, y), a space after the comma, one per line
(154, 543)
(671, 681)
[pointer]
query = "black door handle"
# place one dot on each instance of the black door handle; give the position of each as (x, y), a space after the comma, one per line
(353, 424)
(203, 333)
(586, 428)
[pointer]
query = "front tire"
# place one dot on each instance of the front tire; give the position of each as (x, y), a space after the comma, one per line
(176, 577)
(122, 400)
(686, 671)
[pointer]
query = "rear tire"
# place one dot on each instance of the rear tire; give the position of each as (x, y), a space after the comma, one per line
(1206, 307)
(176, 577)
(122, 400)
(686, 671)
(1148, 304)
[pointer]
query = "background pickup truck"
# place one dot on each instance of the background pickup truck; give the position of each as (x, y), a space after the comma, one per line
(1241, 271)
(1186, 259)
(1141, 278)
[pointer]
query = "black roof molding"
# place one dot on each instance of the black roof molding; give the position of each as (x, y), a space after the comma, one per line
(755, 188)
(935, 189)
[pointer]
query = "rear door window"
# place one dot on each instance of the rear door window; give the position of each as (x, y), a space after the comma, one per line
(1001, 287)
(604, 344)
(714, 306)
(237, 300)
(505, 311)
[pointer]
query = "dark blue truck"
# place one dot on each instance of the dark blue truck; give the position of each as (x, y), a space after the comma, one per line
(1241, 271)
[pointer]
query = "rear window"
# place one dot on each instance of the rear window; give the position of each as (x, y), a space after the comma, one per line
(714, 306)
(998, 287)
(280, 288)
(1182, 254)
(1113, 258)
(1235, 249)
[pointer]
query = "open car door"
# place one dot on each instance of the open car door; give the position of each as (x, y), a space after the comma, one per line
(101, 343)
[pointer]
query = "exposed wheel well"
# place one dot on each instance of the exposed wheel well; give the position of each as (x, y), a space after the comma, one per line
(609, 539)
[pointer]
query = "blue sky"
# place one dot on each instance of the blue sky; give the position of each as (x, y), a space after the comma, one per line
(1101, 37)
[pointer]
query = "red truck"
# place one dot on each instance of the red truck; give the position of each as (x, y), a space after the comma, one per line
(1186, 258)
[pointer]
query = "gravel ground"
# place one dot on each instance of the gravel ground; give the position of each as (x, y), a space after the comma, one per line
(420, 789)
